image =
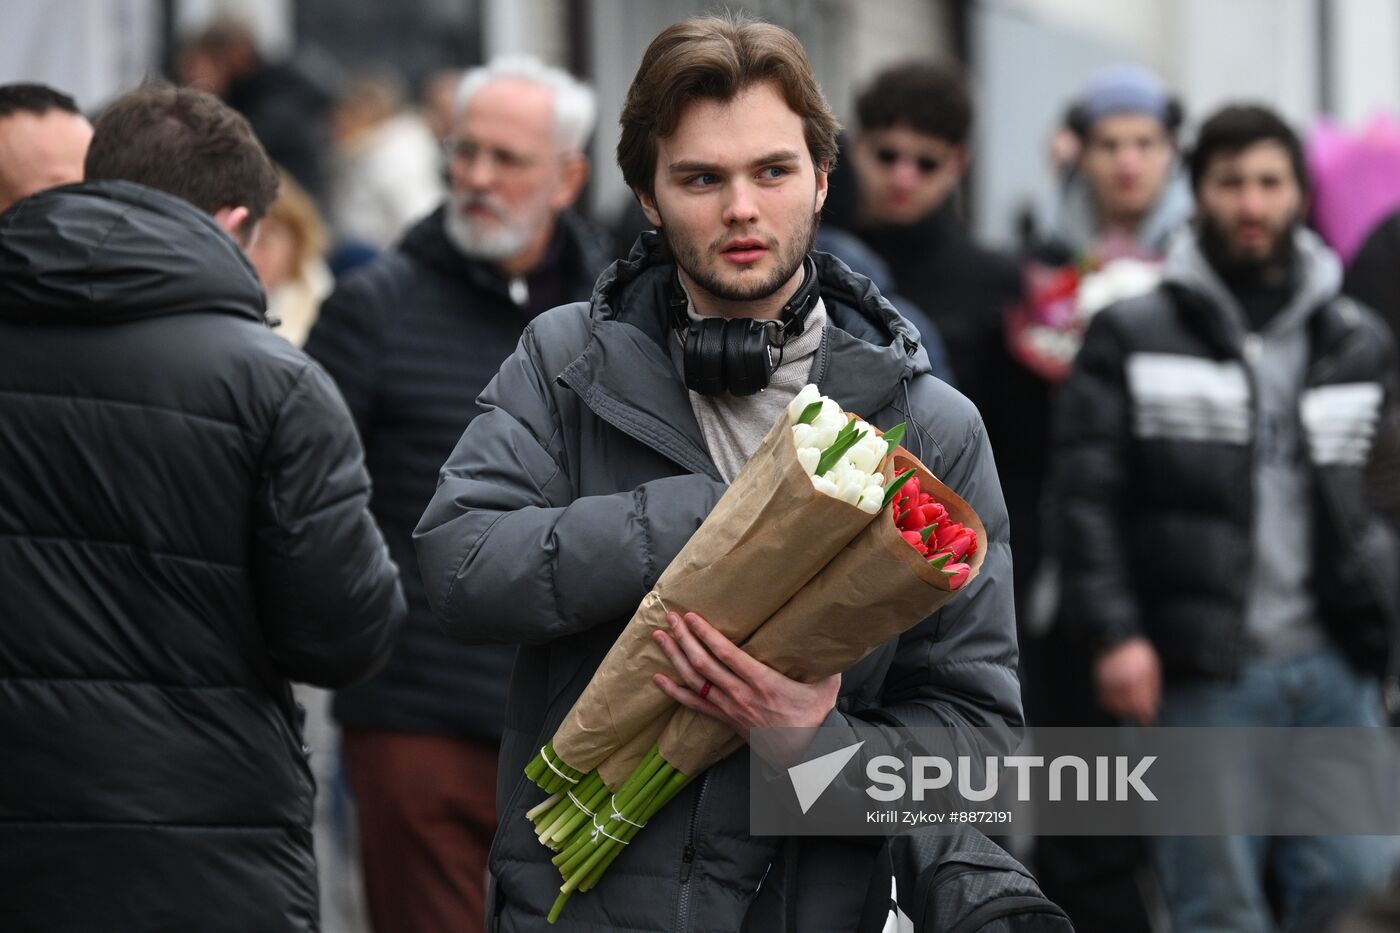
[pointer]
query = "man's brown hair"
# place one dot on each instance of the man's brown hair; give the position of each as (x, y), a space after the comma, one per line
(717, 57)
(186, 143)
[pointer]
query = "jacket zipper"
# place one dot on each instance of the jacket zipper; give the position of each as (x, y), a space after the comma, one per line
(1252, 350)
(688, 857)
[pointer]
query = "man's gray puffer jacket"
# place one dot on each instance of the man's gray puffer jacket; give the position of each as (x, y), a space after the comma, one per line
(560, 508)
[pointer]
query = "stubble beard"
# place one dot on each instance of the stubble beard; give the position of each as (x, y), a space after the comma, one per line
(691, 259)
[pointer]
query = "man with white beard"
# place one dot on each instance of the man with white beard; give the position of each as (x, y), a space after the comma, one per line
(412, 339)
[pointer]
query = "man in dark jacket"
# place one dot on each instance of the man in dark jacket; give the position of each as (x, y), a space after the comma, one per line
(184, 530)
(412, 340)
(593, 465)
(898, 194)
(1224, 555)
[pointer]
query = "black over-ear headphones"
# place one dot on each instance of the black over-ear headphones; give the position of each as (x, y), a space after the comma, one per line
(735, 355)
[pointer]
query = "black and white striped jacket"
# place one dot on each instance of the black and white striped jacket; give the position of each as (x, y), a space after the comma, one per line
(1155, 445)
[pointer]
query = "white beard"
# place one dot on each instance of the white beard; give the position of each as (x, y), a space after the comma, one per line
(495, 242)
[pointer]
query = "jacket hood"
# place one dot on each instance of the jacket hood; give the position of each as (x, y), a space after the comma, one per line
(1075, 222)
(1319, 279)
(110, 251)
(879, 348)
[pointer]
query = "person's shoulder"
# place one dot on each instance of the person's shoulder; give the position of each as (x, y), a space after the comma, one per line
(560, 334)
(1151, 309)
(1365, 325)
(380, 289)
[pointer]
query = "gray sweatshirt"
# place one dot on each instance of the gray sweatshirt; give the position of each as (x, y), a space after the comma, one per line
(1281, 612)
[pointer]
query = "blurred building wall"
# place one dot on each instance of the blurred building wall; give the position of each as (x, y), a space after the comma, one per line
(91, 49)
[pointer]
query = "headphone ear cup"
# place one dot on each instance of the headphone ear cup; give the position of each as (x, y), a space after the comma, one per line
(757, 357)
(704, 356)
(737, 369)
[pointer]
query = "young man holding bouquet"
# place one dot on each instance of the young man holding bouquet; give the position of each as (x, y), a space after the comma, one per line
(597, 459)
(1219, 446)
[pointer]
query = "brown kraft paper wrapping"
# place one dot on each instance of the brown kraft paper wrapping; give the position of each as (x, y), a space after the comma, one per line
(876, 588)
(769, 534)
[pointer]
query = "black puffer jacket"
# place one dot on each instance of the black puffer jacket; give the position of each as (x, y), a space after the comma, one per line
(1154, 480)
(565, 501)
(412, 339)
(183, 530)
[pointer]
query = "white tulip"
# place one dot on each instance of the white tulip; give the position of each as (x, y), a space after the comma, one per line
(798, 405)
(824, 436)
(872, 499)
(830, 416)
(849, 491)
(808, 457)
(825, 486)
(839, 471)
(802, 435)
(862, 458)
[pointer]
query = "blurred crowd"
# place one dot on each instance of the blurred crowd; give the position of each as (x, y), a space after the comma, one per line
(1179, 297)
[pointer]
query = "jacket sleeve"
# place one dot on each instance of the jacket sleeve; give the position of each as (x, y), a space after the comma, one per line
(328, 595)
(1090, 451)
(956, 670)
(509, 555)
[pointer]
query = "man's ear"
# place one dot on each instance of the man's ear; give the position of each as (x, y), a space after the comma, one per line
(648, 203)
(233, 220)
(823, 180)
(961, 157)
(572, 177)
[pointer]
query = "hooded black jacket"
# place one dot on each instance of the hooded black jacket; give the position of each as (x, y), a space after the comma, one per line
(564, 502)
(1158, 437)
(183, 530)
(411, 340)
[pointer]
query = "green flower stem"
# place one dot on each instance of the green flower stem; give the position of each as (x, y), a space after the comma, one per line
(544, 806)
(675, 783)
(562, 833)
(632, 809)
(565, 806)
(558, 905)
(539, 771)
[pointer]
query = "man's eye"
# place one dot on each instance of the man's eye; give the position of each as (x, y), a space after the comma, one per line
(704, 180)
(773, 172)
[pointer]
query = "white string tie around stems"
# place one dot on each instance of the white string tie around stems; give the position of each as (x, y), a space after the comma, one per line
(549, 764)
(617, 814)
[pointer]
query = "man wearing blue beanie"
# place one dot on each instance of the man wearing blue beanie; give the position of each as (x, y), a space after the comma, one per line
(1126, 185)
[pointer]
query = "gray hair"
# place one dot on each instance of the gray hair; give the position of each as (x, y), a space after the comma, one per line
(574, 105)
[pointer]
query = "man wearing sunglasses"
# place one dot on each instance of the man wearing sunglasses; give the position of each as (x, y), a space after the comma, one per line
(908, 160)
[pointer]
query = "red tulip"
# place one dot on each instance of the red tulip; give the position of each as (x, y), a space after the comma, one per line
(957, 574)
(955, 539)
